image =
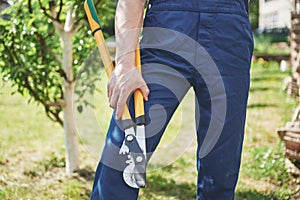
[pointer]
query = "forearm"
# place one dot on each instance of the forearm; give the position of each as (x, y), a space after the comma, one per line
(128, 23)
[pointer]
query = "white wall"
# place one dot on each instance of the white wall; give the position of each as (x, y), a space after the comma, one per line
(274, 13)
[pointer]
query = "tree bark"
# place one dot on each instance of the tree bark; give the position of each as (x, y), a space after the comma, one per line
(71, 140)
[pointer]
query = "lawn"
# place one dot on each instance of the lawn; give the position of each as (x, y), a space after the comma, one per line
(271, 44)
(32, 149)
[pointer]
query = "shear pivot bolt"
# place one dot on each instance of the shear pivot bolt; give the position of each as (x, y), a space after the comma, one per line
(129, 138)
(139, 159)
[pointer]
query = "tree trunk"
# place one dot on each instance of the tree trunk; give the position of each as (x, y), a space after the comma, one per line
(71, 140)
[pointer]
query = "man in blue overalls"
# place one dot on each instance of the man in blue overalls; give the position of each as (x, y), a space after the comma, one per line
(203, 44)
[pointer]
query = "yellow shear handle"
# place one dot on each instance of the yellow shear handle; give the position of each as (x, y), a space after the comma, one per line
(96, 29)
(138, 96)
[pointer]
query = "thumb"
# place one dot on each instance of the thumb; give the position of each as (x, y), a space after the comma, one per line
(145, 91)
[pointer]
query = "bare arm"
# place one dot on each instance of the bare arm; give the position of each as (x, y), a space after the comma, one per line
(128, 23)
(125, 78)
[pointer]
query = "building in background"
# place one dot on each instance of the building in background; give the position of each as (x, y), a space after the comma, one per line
(274, 14)
(3, 5)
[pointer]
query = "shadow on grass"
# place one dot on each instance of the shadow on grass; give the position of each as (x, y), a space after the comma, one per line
(85, 173)
(260, 105)
(274, 78)
(253, 195)
(262, 89)
(158, 185)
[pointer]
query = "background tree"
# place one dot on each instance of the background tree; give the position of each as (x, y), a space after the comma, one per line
(42, 46)
(254, 13)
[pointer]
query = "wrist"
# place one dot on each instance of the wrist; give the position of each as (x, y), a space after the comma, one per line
(123, 68)
(125, 63)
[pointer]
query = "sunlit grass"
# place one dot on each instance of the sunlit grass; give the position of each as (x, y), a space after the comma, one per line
(269, 44)
(32, 148)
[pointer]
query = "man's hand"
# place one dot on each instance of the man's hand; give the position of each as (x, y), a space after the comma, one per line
(121, 84)
(126, 78)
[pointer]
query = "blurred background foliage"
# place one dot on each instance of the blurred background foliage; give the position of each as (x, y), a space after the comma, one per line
(32, 149)
(31, 51)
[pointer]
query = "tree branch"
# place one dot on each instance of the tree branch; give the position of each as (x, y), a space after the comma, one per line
(41, 39)
(12, 50)
(60, 9)
(57, 57)
(31, 90)
(45, 12)
(64, 75)
(69, 22)
(79, 23)
(46, 105)
(11, 53)
(78, 27)
(57, 104)
(54, 116)
(29, 6)
(46, 47)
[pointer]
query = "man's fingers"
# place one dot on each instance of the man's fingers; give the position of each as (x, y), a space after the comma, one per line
(120, 106)
(111, 85)
(108, 91)
(120, 85)
(145, 91)
(113, 99)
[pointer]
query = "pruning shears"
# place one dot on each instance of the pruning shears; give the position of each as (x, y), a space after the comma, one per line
(134, 144)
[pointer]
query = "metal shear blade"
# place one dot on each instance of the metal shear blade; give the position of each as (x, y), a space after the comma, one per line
(135, 173)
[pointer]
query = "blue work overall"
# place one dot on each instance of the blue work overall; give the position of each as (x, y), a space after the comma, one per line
(206, 45)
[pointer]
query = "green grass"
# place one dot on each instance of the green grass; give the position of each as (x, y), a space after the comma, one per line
(263, 167)
(268, 44)
(32, 149)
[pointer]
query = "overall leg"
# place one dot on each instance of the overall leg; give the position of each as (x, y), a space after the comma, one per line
(163, 101)
(230, 47)
(167, 77)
